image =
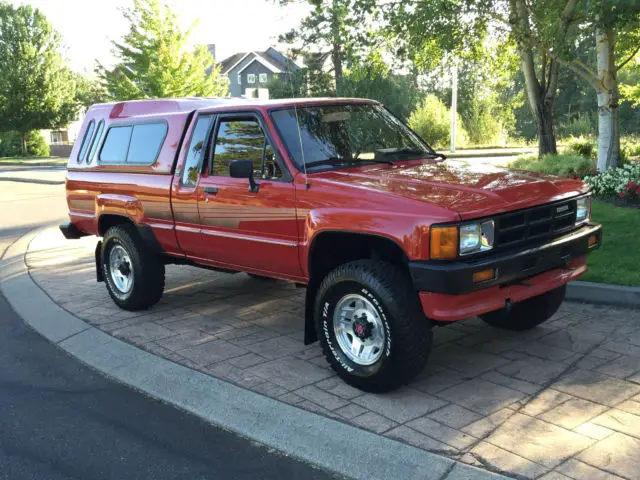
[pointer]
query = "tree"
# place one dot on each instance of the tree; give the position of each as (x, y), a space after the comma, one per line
(36, 89)
(336, 26)
(154, 60)
(614, 25)
(418, 28)
(90, 91)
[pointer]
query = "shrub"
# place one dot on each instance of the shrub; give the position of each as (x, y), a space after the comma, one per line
(583, 146)
(562, 165)
(10, 144)
(630, 148)
(486, 122)
(579, 126)
(432, 121)
(614, 181)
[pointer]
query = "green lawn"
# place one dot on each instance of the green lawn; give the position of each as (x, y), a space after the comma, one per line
(30, 160)
(617, 261)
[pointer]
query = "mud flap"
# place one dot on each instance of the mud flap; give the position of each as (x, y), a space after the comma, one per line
(98, 256)
(310, 334)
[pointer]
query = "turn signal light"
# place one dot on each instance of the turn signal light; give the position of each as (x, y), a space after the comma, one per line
(593, 241)
(483, 275)
(444, 243)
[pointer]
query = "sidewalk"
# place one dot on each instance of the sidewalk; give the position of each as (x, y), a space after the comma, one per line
(562, 401)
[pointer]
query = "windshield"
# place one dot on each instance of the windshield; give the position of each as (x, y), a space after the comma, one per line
(343, 135)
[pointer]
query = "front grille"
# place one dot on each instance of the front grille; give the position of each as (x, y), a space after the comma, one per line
(537, 223)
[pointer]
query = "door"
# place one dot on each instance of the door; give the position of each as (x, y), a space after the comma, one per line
(242, 229)
(184, 195)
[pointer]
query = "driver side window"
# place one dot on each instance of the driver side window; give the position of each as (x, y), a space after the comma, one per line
(244, 139)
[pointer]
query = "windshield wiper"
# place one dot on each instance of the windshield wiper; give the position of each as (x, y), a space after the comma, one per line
(410, 151)
(335, 161)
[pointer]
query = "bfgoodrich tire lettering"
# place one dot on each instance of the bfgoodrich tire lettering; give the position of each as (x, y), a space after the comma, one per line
(147, 269)
(393, 301)
(529, 313)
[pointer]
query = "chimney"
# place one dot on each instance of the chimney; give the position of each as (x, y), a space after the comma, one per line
(212, 50)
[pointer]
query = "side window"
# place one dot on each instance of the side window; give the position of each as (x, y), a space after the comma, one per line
(116, 145)
(194, 154)
(137, 144)
(85, 140)
(244, 140)
(146, 141)
(95, 142)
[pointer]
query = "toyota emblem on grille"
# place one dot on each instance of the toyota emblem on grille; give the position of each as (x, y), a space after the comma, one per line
(563, 208)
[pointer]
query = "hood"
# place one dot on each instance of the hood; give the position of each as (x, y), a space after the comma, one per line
(471, 190)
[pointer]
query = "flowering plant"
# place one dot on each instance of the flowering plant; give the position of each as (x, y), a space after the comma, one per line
(617, 182)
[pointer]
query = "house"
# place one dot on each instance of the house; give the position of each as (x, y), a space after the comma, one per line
(61, 140)
(253, 70)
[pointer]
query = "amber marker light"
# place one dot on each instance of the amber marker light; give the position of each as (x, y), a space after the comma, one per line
(483, 275)
(593, 241)
(444, 243)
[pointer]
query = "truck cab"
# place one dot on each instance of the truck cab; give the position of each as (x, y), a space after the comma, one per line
(336, 195)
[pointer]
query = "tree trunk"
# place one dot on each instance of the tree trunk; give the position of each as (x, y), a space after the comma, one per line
(540, 93)
(546, 133)
(541, 106)
(23, 143)
(608, 96)
(336, 45)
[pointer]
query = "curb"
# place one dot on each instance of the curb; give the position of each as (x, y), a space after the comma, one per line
(31, 180)
(313, 438)
(485, 155)
(54, 164)
(604, 294)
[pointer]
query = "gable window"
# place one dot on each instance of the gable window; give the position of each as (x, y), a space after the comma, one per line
(263, 78)
(239, 79)
(251, 78)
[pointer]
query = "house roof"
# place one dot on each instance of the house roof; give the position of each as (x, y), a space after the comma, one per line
(270, 58)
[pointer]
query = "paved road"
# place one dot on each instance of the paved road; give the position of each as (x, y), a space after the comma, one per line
(61, 420)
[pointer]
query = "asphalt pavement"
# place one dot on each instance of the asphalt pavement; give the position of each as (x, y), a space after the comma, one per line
(61, 420)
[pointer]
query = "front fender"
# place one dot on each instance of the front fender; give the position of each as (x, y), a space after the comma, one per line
(408, 231)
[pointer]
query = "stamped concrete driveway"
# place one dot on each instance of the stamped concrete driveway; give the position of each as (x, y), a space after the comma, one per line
(562, 401)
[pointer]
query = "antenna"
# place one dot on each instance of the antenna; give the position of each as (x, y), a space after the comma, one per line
(295, 109)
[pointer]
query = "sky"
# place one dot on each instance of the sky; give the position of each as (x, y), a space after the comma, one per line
(88, 26)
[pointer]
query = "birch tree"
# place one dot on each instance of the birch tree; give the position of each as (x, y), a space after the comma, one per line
(615, 28)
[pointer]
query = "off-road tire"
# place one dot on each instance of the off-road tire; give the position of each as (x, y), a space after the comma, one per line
(148, 269)
(529, 313)
(408, 336)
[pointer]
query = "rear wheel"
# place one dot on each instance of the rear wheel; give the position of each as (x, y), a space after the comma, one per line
(371, 326)
(529, 313)
(133, 275)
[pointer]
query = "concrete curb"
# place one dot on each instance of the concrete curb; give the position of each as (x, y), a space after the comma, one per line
(319, 440)
(31, 180)
(485, 155)
(56, 164)
(604, 294)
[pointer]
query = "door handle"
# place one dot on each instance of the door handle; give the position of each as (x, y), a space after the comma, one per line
(211, 190)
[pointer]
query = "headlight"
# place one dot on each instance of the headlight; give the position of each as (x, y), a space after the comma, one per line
(583, 209)
(476, 237)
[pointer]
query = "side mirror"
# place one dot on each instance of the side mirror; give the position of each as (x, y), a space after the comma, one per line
(244, 169)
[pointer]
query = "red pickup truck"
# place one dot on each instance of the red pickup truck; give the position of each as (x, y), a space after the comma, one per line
(336, 195)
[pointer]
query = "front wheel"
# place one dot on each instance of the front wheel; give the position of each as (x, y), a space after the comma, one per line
(529, 313)
(371, 326)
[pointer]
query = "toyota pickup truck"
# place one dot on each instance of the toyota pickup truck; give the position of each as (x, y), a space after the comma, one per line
(336, 195)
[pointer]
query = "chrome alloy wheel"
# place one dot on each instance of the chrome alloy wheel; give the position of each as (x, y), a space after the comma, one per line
(120, 269)
(359, 329)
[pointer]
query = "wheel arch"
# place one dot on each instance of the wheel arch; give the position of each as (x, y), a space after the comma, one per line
(330, 248)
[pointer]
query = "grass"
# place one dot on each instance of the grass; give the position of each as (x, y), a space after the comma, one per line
(563, 164)
(31, 160)
(617, 261)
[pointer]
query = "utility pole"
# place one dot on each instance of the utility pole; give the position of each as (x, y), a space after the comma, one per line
(454, 104)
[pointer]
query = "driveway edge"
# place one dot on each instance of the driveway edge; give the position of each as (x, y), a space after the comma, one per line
(604, 294)
(330, 444)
